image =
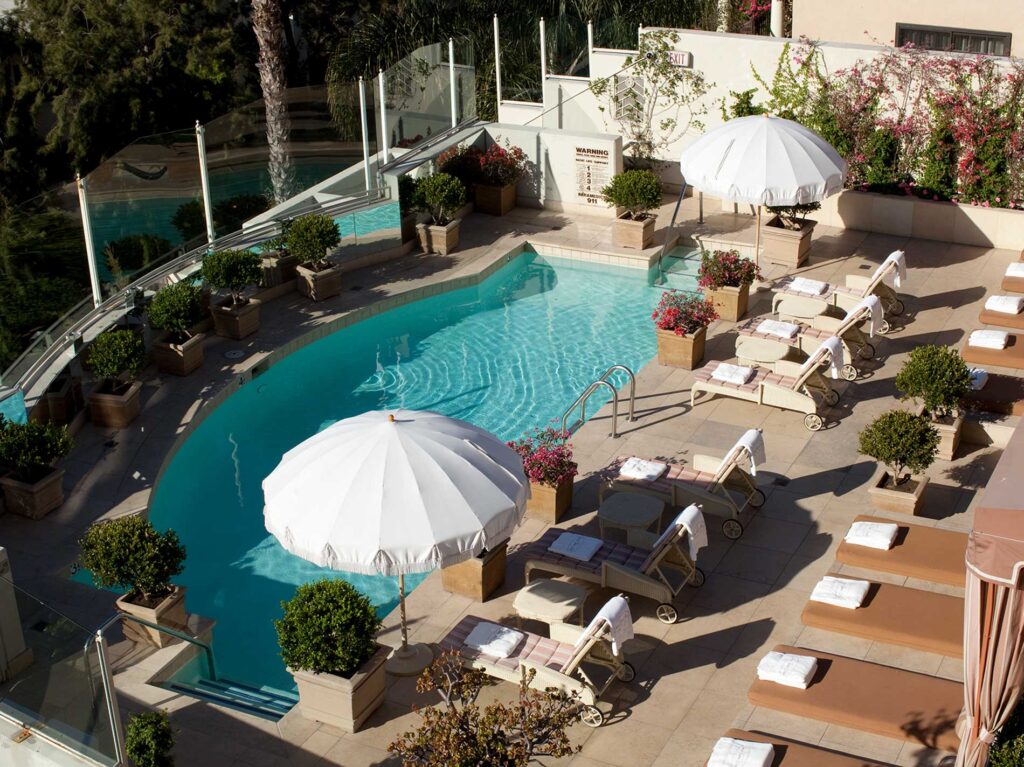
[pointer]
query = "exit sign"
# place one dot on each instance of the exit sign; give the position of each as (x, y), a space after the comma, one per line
(680, 58)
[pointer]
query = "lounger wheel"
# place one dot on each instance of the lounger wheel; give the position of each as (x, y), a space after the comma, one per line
(896, 307)
(732, 529)
(813, 422)
(831, 397)
(866, 352)
(849, 372)
(696, 578)
(667, 613)
(592, 716)
(625, 672)
(757, 499)
(884, 327)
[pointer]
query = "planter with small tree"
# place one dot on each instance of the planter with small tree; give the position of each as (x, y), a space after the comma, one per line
(311, 238)
(32, 487)
(176, 310)
(409, 205)
(637, 192)
(939, 379)
(443, 195)
(235, 316)
(681, 321)
(501, 167)
(786, 236)
(128, 554)
(902, 442)
(328, 642)
(116, 358)
(279, 265)
(149, 739)
(548, 463)
(725, 277)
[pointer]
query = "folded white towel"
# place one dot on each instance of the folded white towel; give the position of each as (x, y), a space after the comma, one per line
(874, 535)
(730, 752)
(871, 307)
(831, 346)
(579, 547)
(840, 592)
(788, 669)
(696, 528)
(734, 374)
(784, 330)
(988, 339)
(895, 264)
(620, 622)
(753, 442)
(1005, 304)
(805, 285)
(1016, 269)
(979, 377)
(492, 639)
(638, 468)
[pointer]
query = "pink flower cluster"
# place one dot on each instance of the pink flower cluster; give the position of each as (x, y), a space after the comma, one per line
(547, 456)
(683, 313)
(501, 166)
(726, 269)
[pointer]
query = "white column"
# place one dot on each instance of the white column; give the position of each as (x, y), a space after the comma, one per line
(543, 58)
(383, 120)
(778, 14)
(451, 81)
(90, 251)
(365, 132)
(497, 62)
(590, 48)
(204, 175)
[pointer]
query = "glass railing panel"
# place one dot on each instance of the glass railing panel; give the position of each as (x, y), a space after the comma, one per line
(369, 231)
(417, 96)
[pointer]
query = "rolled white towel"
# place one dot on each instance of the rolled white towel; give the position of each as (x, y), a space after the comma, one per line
(784, 330)
(805, 285)
(872, 306)
(898, 270)
(874, 535)
(492, 639)
(988, 339)
(1016, 269)
(1005, 304)
(840, 592)
(639, 468)
(581, 547)
(734, 374)
(730, 752)
(787, 669)
(979, 377)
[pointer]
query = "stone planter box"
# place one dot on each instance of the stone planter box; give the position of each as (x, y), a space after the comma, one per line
(409, 227)
(549, 504)
(63, 400)
(949, 436)
(179, 359)
(906, 501)
(495, 200)
(278, 268)
(318, 285)
(479, 577)
(627, 233)
(783, 246)
(236, 322)
(730, 303)
(34, 501)
(340, 702)
(112, 410)
(169, 612)
(439, 239)
(686, 351)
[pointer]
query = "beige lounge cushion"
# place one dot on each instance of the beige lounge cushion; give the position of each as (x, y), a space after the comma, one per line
(1001, 319)
(928, 553)
(791, 753)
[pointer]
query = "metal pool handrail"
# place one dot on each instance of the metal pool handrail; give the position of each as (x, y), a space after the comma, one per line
(602, 382)
(120, 617)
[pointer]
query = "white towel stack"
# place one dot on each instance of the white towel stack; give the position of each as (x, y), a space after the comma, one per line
(753, 442)
(734, 374)
(988, 339)
(730, 752)
(638, 468)
(492, 639)
(874, 535)
(840, 592)
(872, 306)
(787, 669)
(620, 623)
(575, 546)
(979, 377)
(1005, 304)
(805, 285)
(784, 330)
(1016, 269)
(898, 260)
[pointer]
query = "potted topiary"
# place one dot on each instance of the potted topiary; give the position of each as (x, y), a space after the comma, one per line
(32, 487)
(443, 195)
(233, 270)
(681, 321)
(116, 358)
(279, 265)
(637, 192)
(328, 641)
(787, 235)
(725, 277)
(310, 238)
(500, 171)
(176, 310)
(547, 461)
(901, 441)
(940, 379)
(149, 739)
(128, 554)
(409, 205)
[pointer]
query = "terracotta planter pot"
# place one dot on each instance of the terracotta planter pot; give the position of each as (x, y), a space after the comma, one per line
(549, 503)
(236, 322)
(37, 500)
(627, 233)
(169, 612)
(495, 200)
(318, 285)
(479, 577)
(439, 239)
(112, 410)
(906, 500)
(786, 247)
(686, 351)
(179, 359)
(340, 702)
(278, 268)
(730, 303)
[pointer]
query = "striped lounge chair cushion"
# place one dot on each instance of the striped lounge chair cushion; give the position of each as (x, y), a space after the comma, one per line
(676, 472)
(815, 333)
(761, 375)
(783, 286)
(534, 648)
(749, 329)
(617, 553)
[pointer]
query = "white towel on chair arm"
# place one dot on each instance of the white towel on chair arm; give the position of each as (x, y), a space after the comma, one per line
(873, 306)
(810, 287)
(638, 468)
(492, 639)
(979, 377)
(753, 442)
(783, 330)
(899, 261)
(787, 669)
(730, 752)
(580, 547)
(734, 374)
(620, 623)
(840, 592)
(1005, 304)
(1016, 269)
(874, 535)
(988, 339)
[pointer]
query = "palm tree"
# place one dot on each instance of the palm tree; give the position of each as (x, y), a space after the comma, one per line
(266, 24)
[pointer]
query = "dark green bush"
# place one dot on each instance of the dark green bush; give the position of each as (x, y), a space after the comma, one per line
(149, 739)
(189, 219)
(127, 553)
(117, 355)
(176, 308)
(443, 195)
(882, 150)
(940, 160)
(1008, 750)
(232, 270)
(310, 237)
(937, 376)
(31, 448)
(409, 198)
(990, 178)
(901, 441)
(230, 214)
(638, 191)
(742, 105)
(328, 627)
(462, 162)
(133, 253)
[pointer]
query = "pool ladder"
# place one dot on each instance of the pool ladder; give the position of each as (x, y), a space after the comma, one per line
(605, 383)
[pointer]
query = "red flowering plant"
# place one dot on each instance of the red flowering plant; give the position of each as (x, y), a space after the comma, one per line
(726, 269)
(463, 162)
(547, 456)
(683, 313)
(502, 165)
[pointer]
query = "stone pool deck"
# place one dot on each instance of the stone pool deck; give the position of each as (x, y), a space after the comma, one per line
(693, 676)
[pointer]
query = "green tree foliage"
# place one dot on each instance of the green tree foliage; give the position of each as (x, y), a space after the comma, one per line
(1008, 750)
(149, 739)
(232, 270)
(128, 553)
(900, 440)
(176, 308)
(117, 355)
(937, 376)
(638, 191)
(882, 150)
(311, 236)
(31, 448)
(443, 195)
(940, 159)
(129, 255)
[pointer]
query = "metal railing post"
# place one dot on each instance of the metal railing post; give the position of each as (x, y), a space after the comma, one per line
(497, 64)
(365, 129)
(113, 709)
(451, 81)
(383, 119)
(90, 249)
(204, 175)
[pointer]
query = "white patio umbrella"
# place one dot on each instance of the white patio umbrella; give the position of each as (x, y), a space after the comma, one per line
(396, 492)
(763, 160)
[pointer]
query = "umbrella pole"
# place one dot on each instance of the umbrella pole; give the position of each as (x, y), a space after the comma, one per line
(408, 659)
(757, 239)
(401, 604)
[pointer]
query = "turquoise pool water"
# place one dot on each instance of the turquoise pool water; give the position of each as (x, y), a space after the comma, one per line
(507, 355)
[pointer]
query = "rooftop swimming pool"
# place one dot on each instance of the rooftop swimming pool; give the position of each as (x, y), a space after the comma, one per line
(509, 354)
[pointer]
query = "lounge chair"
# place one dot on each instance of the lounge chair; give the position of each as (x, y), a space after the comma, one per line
(657, 568)
(556, 660)
(922, 620)
(722, 486)
(866, 696)
(788, 385)
(792, 753)
(927, 553)
(1010, 357)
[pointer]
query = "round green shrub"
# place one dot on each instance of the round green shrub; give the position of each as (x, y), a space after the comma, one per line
(443, 195)
(128, 553)
(310, 237)
(176, 308)
(232, 270)
(31, 448)
(937, 376)
(328, 627)
(902, 441)
(148, 738)
(638, 191)
(117, 355)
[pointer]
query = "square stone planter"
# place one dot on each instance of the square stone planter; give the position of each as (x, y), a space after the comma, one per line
(236, 322)
(63, 399)
(169, 612)
(439, 239)
(115, 410)
(409, 227)
(730, 303)
(278, 268)
(949, 436)
(495, 200)
(548, 503)
(34, 501)
(318, 285)
(786, 247)
(179, 359)
(686, 351)
(903, 501)
(479, 577)
(628, 233)
(340, 702)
